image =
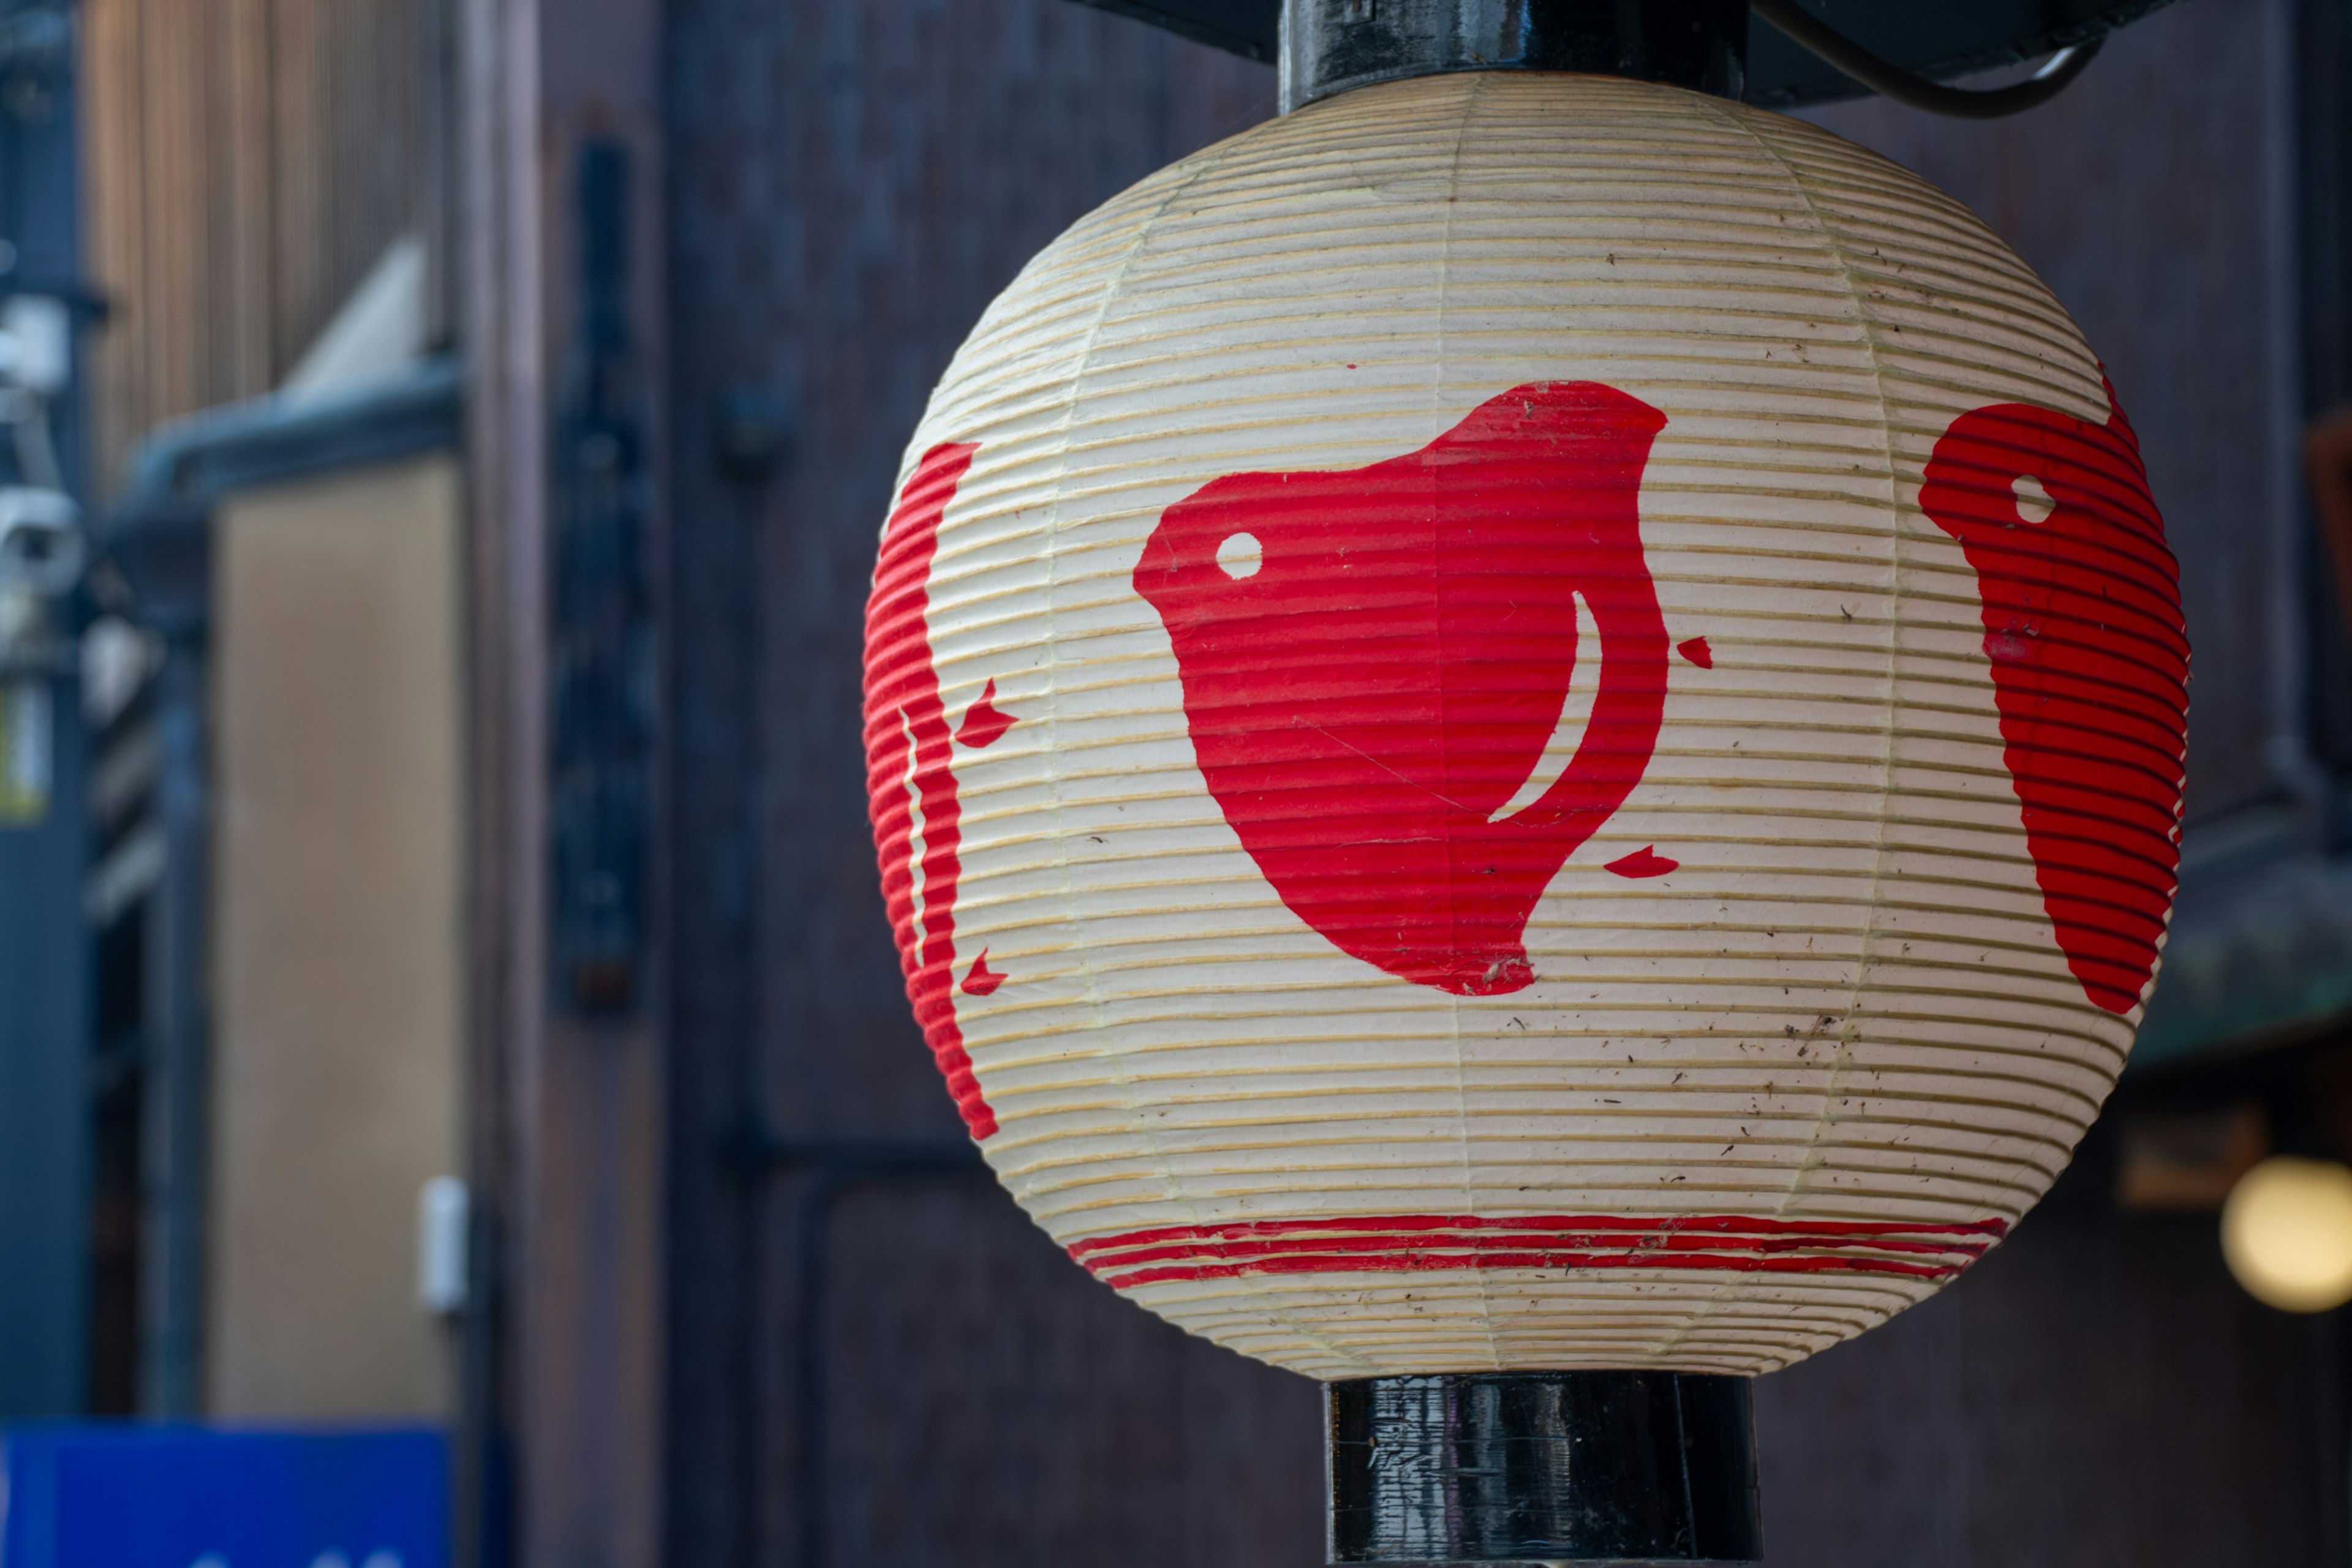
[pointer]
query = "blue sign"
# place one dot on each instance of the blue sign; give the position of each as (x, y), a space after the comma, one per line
(97, 1495)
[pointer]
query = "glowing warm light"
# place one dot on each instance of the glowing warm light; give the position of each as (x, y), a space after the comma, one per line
(2286, 1231)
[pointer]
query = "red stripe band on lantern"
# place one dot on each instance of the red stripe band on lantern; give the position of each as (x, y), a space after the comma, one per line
(1380, 1244)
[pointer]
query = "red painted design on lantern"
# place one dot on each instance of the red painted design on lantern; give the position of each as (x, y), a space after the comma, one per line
(1375, 662)
(984, 722)
(2090, 669)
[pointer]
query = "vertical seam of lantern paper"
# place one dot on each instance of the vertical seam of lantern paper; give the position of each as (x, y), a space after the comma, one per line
(1107, 296)
(1800, 1179)
(1472, 91)
(1174, 1189)
(1695, 1318)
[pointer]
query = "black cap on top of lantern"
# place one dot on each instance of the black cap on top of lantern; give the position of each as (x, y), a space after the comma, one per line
(1628, 1464)
(1812, 52)
(1332, 46)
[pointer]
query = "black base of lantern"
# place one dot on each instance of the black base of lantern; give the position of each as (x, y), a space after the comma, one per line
(1543, 1467)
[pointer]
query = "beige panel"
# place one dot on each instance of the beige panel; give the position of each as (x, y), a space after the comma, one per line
(338, 833)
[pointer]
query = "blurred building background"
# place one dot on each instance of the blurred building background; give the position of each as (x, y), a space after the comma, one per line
(442, 980)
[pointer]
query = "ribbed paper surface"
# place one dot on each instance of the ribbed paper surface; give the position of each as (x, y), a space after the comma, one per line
(1445, 796)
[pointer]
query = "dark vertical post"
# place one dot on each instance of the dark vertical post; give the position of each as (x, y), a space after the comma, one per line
(561, 310)
(44, 1077)
(2324, 58)
(178, 1108)
(45, 1118)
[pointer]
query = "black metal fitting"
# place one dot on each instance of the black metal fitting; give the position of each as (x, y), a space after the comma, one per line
(1330, 46)
(1543, 1467)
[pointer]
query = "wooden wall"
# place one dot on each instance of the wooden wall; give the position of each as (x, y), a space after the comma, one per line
(245, 162)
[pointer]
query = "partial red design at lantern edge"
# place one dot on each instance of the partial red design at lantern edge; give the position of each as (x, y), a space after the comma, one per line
(1375, 662)
(2090, 669)
(980, 980)
(1392, 1243)
(908, 750)
(984, 722)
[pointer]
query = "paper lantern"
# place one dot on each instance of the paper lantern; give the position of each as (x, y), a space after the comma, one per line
(1526, 721)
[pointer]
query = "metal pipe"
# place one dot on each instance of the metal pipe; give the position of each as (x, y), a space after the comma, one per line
(1907, 86)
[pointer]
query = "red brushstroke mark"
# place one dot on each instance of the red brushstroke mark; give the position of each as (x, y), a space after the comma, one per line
(984, 722)
(1387, 676)
(2090, 669)
(906, 769)
(1382, 1244)
(1644, 862)
(1697, 652)
(981, 980)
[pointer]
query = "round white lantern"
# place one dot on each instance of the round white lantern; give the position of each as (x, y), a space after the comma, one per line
(1526, 721)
